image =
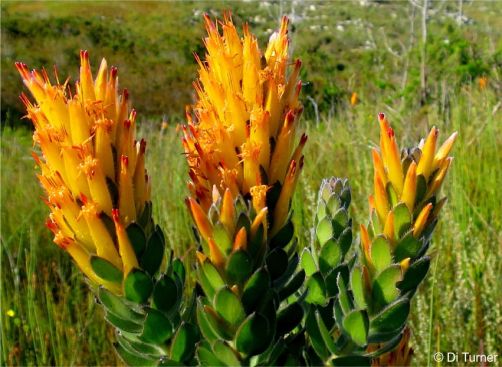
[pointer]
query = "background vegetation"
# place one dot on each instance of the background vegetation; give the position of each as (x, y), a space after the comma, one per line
(375, 49)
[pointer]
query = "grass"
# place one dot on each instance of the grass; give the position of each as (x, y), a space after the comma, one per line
(49, 317)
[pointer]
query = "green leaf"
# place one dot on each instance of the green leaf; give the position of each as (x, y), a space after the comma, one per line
(324, 230)
(385, 285)
(375, 222)
(307, 262)
(117, 306)
(402, 220)
(325, 334)
(138, 347)
(284, 236)
(277, 262)
(381, 254)
(243, 221)
(321, 210)
(316, 289)
(218, 325)
(391, 193)
(415, 274)
(293, 285)
(212, 275)
(339, 222)
(392, 318)
(225, 354)
(154, 253)
(387, 347)
(315, 336)
(228, 306)
(421, 188)
(289, 318)
(351, 361)
(166, 362)
(239, 267)
(408, 246)
(138, 286)
(206, 357)
(137, 238)
(358, 289)
(253, 335)
(123, 324)
(330, 256)
(179, 269)
(345, 241)
(255, 288)
(106, 270)
(221, 237)
(183, 345)
(204, 325)
(346, 196)
(256, 242)
(157, 328)
(330, 279)
(131, 359)
(356, 325)
(343, 296)
(165, 294)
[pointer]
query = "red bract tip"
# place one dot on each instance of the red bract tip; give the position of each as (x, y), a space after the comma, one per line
(199, 149)
(113, 72)
(83, 198)
(127, 124)
(298, 63)
(292, 168)
(125, 160)
(84, 54)
(290, 116)
(301, 161)
(23, 70)
(192, 175)
(50, 224)
(125, 94)
(298, 87)
(381, 116)
(303, 139)
(142, 146)
(390, 132)
(133, 114)
(116, 215)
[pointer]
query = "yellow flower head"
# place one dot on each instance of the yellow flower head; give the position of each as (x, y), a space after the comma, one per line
(406, 186)
(241, 132)
(92, 167)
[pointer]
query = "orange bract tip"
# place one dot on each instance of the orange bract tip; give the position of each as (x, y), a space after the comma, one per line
(116, 215)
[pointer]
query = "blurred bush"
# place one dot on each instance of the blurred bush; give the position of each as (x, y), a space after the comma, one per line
(372, 48)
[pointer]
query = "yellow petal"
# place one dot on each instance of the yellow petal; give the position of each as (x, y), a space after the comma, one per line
(86, 81)
(410, 187)
(389, 227)
(126, 194)
(215, 254)
(227, 214)
(426, 159)
(240, 241)
(366, 244)
(444, 150)
(421, 220)
(200, 218)
(125, 248)
(105, 247)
